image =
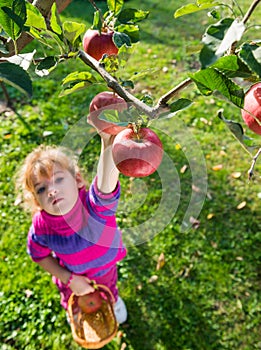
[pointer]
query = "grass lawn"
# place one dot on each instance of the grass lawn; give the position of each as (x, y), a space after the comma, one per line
(186, 288)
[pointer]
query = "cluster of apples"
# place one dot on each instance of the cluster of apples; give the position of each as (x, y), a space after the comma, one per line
(135, 153)
(251, 113)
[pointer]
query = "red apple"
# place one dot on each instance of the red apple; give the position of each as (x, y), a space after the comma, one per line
(90, 302)
(137, 154)
(106, 100)
(97, 44)
(252, 105)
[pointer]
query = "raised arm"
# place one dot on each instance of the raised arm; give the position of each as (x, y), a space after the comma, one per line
(107, 172)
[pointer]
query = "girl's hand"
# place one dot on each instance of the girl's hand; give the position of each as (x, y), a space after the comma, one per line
(81, 285)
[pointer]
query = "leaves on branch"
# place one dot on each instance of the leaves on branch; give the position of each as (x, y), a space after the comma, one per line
(97, 21)
(73, 30)
(115, 6)
(115, 117)
(251, 56)
(54, 20)
(238, 132)
(17, 77)
(34, 17)
(233, 34)
(13, 17)
(232, 67)
(77, 81)
(131, 16)
(175, 107)
(129, 30)
(191, 8)
(212, 40)
(23, 60)
(46, 66)
(121, 39)
(211, 79)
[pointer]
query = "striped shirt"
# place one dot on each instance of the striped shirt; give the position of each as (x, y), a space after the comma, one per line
(87, 240)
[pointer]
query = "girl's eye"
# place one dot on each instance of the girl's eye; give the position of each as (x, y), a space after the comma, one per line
(58, 180)
(40, 190)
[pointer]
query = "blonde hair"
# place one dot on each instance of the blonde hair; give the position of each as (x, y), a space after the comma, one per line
(41, 162)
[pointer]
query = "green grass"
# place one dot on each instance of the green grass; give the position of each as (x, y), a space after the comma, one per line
(207, 294)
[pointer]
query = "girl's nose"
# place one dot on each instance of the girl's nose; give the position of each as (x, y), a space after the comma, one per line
(52, 192)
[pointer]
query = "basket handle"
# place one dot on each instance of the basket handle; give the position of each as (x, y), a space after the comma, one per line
(96, 286)
(106, 289)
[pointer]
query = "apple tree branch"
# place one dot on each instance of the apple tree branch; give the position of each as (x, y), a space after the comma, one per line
(112, 83)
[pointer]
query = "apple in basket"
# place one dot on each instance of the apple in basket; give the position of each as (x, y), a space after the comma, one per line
(90, 302)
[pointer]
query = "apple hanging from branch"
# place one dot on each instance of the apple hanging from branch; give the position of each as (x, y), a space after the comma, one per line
(104, 101)
(251, 113)
(97, 44)
(137, 153)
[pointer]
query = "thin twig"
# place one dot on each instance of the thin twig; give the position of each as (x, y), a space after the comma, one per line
(245, 19)
(250, 10)
(173, 92)
(251, 170)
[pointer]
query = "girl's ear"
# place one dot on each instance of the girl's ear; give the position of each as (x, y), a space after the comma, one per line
(79, 180)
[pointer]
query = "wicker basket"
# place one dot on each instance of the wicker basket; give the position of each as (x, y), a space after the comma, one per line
(94, 330)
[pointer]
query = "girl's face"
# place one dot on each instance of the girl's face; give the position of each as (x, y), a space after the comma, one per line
(58, 193)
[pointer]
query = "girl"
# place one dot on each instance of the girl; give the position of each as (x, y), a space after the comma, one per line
(74, 235)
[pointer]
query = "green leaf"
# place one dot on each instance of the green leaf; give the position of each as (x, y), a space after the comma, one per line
(76, 77)
(238, 132)
(72, 30)
(115, 5)
(23, 60)
(115, 117)
(54, 20)
(233, 34)
(110, 63)
(131, 30)
(121, 39)
(180, 104)
(212, 40)
(251, 56)
(76, 87)
(41, 37)
(13, 17)
(46, 66)
(17, 77)
(34, 17)
(207, 56)
(232, 67)
(210, 79)
(191, 8)
(130, 16)
(97, 23)
(227, 63)
(175, 107)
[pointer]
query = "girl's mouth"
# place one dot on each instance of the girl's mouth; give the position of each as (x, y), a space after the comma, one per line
(56, 201)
